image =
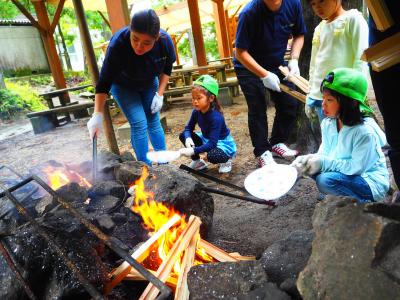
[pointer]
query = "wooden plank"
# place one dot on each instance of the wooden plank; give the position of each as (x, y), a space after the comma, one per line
(299, 96)
(62, 91)
(386, 61)
(383, 48)
(241, 257)
(166, 266)
(216, 252)
(380, 13)
(140, 254)
(182, 290)
(299, 81)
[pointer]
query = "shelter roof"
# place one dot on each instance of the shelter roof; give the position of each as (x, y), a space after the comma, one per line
(174, 18)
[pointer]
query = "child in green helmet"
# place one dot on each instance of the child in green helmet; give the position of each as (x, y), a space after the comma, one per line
(215, 138)
(349, 161)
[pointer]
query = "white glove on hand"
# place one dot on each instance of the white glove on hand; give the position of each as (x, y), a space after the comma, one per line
(186, 151)
(95, 124)
(300, 163)
(271, 81)
(189, 143)
(310, 112)
(314, 164)
(293, 66)
(157, 103)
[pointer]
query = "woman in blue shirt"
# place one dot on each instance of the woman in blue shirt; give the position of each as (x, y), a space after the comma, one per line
(215, 138)
(350, 161)
(136, 70)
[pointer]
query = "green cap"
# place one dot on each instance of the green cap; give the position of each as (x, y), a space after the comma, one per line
(350, 83)
(207, 82)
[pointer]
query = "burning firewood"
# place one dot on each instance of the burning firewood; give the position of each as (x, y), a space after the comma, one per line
(165, 268)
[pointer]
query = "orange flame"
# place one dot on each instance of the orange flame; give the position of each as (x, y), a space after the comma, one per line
(59, 177)
(155, 215)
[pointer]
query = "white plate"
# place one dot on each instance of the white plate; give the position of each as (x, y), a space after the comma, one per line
(271, 181)
(162, 156)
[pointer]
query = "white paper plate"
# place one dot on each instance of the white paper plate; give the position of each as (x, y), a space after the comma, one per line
(162, 156)
(271, 181)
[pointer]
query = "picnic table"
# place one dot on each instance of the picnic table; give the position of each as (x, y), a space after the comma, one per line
(188, 73)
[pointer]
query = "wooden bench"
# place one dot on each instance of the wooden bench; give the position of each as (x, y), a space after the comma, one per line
(60, 94)
(46, 120)
(233, 85)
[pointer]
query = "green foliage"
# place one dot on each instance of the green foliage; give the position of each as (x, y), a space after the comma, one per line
(10, 104)
(210, 41)
(9, 11)
(29, 97)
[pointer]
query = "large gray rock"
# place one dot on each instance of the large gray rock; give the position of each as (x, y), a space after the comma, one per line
(355, 252)
(242, 280)
(286, 258)
(174, 188)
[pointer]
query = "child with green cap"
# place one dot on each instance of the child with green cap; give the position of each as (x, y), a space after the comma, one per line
(215, 138)
(350, 161)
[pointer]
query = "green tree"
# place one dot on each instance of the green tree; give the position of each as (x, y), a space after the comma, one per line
(9, 11)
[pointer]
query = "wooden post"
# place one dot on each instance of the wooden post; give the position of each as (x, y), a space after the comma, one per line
(197, 33)
(94, 72)
(221, 28)
(118, 14)
(173, 37)
(50, 46)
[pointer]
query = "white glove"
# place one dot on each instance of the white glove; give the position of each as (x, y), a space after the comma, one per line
(95, 124)
(293, 66)
(186, 151)
(157, 103)
(189, 143)
(271, 81)
(300, 163)
(310, 112)
(314, 164)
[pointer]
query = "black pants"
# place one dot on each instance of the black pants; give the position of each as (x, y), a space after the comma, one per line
(285, 106)
(386, 92)
(214, 156)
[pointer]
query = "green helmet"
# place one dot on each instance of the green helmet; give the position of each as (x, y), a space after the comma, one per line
(207, 82)
(350, 83)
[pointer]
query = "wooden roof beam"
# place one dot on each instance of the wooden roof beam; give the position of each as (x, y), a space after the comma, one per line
(27, 14)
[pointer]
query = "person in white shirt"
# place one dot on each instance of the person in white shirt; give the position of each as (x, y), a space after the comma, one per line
(338, 41)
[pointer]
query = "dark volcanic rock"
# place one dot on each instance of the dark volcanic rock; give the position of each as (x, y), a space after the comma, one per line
(128, 172)
(241, 280)
(286, 258)
(109, 187)
(355, 252)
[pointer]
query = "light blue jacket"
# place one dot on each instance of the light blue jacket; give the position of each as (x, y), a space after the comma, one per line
(356, 150)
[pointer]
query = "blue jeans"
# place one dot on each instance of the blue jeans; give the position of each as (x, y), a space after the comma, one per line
(135, 104)
(339, 184)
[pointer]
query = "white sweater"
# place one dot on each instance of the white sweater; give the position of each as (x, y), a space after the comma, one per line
(337, 44)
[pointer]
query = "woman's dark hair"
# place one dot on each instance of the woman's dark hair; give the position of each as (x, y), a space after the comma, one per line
(146, 21)
(215, 104)
(349, 110)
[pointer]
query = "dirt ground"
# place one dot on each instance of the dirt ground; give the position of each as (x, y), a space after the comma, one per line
(238, 225)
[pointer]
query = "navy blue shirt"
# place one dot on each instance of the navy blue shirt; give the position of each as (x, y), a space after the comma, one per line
(265, 34)
(123, 66)
(212, 125)
(375, 35)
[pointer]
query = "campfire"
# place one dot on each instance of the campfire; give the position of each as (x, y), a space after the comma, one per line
(173, 248)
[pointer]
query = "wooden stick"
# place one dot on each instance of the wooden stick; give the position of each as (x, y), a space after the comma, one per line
(134, 275)
(299, 96)
(216, 252)
(140, 254)
(299, 81)
(182, 289)
(166, 266)
(241, 257)
(380, 13)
